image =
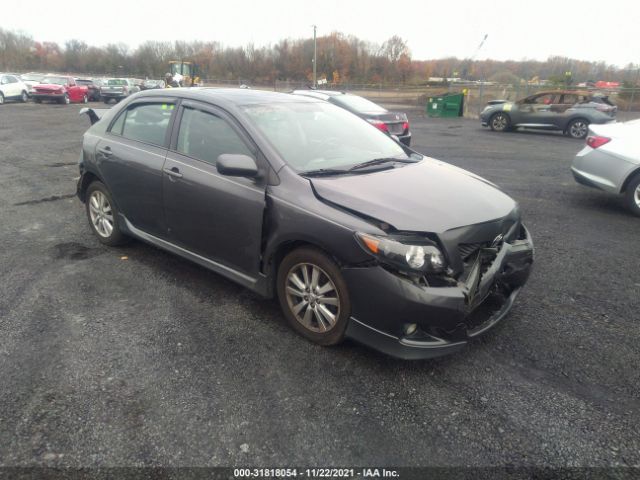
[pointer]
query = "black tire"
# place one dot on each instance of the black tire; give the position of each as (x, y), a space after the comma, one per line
(106, 101)
(328, 273)
(500, 122)
(65, 100)
(578, 128)
(1, 98)
(37, 100)
(85, 99)
(632, 195)
(24, 96)
(114, 236)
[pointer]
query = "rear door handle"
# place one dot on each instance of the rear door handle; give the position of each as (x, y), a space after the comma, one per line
(173, 172)
(106, 151)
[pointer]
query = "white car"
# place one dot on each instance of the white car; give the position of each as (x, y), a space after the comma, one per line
(611, 161)
(31, 79)
(12, 88)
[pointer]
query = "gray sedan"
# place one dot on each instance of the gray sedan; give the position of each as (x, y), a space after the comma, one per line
(568, 111)
(295, 198)
(611, 161)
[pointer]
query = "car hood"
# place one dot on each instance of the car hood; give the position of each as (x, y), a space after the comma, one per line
(48, 86)
(429, 196)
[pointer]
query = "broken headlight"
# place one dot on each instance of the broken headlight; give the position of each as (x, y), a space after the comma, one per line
(415, 256)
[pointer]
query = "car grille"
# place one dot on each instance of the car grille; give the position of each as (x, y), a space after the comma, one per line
(395, 128)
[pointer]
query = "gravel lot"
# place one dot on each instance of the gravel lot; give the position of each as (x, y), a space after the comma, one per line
(131, 356)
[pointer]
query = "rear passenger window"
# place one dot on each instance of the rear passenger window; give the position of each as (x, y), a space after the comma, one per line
(146, 123)
(205, 136)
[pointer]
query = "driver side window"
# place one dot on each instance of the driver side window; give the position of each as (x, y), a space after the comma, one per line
(205, 137)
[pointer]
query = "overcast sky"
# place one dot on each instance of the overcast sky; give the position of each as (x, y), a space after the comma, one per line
(589, 30)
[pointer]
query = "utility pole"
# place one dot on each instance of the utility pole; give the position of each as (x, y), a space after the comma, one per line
(315, 58)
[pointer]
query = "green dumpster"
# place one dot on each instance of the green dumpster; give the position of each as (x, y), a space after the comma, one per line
(450, 105)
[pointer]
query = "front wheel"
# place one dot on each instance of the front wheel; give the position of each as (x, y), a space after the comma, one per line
(103, 215)
(1, 98)
(313, 296)
(499, 122)
(578, 128)
(85, 99)
(632, 195)
(65, 100)
(24, 97)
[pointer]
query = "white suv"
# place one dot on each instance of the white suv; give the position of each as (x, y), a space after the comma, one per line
(11, 87)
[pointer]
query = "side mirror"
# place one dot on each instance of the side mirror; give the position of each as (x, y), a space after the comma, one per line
(235, 165)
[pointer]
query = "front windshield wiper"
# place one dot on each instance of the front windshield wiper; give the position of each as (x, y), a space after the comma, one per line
(324, 171)
(380, 161)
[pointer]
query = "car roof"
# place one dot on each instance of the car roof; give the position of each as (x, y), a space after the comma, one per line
(230, 96)
(561, 92)
(321, 94)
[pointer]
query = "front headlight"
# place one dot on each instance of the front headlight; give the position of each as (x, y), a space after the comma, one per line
(416, 256)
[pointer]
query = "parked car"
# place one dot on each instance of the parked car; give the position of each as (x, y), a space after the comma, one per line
(61, 89)
(117, 89)
(569, 111)
(93, 90)
(610, 161)
(152, 84)
(12, 88)
(392, 123)
(357, 235)
(30, 79)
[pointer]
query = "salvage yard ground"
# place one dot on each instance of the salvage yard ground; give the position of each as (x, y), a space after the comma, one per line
(132, 356)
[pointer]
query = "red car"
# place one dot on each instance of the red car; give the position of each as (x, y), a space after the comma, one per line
(60, 89)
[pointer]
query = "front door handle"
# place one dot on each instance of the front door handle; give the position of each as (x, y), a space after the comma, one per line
(173, 172)
(106, 151)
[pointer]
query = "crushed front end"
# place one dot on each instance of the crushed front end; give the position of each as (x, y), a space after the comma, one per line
(417, 317)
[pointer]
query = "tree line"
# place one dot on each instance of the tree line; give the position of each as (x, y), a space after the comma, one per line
(342, 59)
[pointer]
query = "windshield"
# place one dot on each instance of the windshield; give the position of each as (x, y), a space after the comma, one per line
(32, 77)
(358, 104)
(116, 81)
(55, 80)
(313, 136)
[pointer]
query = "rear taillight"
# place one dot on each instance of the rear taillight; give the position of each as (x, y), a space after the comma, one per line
(379, 125)
(405, 126)
(595, 141)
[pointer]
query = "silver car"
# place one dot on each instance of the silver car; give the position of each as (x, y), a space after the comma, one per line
(570, 111)
(610, 161)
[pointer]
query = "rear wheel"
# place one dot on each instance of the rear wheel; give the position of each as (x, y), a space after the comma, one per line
(103, 215)
(1, 98)
(85, 99)
(499, 122)
(632, 195)
(106, 101)
(578, 128)
(313, 296)
(24, 97)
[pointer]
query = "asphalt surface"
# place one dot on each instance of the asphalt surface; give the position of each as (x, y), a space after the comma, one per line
(131, 356)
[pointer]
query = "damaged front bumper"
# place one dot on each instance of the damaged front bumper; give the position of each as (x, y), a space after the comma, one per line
(446, 318)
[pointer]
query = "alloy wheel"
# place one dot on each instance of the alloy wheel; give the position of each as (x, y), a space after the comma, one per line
(499, 122)
(312, 297)
(578, 129)
(101, 214)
